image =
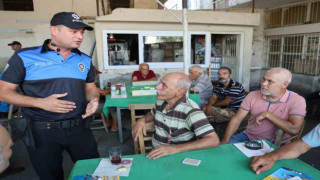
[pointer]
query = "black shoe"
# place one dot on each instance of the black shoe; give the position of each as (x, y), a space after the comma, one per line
(12, 171)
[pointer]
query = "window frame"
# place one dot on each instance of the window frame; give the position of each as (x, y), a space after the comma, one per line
(141, 34)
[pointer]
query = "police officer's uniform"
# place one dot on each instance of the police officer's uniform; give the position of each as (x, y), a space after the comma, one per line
(41, 72)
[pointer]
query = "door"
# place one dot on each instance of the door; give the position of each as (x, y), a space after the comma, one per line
(230, 54)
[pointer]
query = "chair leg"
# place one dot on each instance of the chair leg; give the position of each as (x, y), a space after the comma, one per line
(104, 122)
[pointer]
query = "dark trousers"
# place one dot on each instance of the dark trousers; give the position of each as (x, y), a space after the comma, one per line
(47, 158)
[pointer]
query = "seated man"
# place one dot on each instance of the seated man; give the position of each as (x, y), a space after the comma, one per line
(179, 123)
(144, 74)
(272, 107)
(226, 98)
(200, 83)
(5, 149)
(260, 164)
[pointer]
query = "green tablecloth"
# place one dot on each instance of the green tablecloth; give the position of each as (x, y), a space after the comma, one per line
(124, 102)
(224, 162)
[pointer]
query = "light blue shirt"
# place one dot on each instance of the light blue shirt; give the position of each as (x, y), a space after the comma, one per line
(313, 137)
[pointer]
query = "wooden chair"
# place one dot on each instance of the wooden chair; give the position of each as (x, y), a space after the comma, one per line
(280, 133)
(100, 123)
(140, 145)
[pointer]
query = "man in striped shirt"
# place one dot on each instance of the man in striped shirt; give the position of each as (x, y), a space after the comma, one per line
(179, 123)
(226, 98)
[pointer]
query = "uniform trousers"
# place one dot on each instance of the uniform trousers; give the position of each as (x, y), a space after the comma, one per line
(47, 158)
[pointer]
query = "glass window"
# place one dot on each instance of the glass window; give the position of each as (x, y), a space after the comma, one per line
(162, 49)
(123, 49)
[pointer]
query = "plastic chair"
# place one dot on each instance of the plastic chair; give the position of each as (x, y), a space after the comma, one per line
(140, 145)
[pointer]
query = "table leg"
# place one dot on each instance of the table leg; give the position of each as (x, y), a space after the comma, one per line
(120, 124)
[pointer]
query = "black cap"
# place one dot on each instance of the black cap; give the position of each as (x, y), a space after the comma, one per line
(14, 43)
(69, 19)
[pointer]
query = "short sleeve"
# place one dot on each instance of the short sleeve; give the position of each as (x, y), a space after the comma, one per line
(312, 139)
(152, 74)
(246, 103)
(134, 73)
(198, 123)
(298, 107)
(15, 72)
(91, 74)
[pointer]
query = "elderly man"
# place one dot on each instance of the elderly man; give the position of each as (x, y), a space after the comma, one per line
(180, 124)
(226, 98)
(144, 74)
(260, 164)
(200, 83)
(60, 95)
(5, 149)
(15, 45)
(270, 108)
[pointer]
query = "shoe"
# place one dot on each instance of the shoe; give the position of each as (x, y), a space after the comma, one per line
(12, 171)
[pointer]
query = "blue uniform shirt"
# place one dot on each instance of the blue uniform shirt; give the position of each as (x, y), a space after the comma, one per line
(41, 72)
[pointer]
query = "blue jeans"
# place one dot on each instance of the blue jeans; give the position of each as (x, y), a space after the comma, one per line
(241, 137)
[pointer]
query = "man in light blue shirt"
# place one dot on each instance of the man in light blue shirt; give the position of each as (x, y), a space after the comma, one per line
(260, 164)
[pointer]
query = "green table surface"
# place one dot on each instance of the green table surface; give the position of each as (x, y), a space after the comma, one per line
(124, 102)
(224, 162)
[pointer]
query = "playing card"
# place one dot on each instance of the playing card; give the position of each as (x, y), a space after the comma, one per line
(193, 162)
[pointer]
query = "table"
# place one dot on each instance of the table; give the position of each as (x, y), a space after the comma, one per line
(224, 162)
(123, 103)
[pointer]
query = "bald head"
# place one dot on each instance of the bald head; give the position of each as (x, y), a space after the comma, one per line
(284, 75)
(5, 148)
(181, 80)
(195, 72)
(144, 69)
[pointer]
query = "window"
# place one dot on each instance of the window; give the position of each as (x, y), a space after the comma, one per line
(303, 13)
(298, 53)
(119, 4)
(163, 48)
(160, 49)
(16, 5)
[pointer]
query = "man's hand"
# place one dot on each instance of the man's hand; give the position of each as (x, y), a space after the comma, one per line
(138, 127)
(162, 150)
(260, 164)
(54, 104)
(259, 118)
(223, 142)
(209, 111)
(92, 107)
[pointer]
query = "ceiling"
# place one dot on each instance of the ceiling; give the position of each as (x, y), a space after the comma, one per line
(267, 4)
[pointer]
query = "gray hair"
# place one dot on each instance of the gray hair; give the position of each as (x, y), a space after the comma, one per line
(283, 70)
(197, 68)
(184, 83)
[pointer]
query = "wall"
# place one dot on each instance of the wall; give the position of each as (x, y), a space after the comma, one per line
(145, 4)
(155, 20)
(37, 21)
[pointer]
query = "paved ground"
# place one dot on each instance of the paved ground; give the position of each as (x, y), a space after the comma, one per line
(20, 156)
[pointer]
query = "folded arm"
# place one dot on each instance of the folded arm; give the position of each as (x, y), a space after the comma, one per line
(292, 126)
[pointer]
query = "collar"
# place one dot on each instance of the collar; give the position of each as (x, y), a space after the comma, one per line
(231, 83)
(45, 48)
(183, 99)
(285, 97)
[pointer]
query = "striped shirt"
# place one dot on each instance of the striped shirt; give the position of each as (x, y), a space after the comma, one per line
(184, 122)
(234, 90)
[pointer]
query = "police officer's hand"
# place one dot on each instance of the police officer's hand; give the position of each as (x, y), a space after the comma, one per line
(54, 104)
(92, 107)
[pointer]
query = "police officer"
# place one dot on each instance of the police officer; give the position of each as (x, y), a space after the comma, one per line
(60, 95)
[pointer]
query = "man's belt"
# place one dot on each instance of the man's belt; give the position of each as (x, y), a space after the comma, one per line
(65, 124)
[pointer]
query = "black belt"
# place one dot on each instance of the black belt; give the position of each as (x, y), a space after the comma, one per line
(58, 124)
